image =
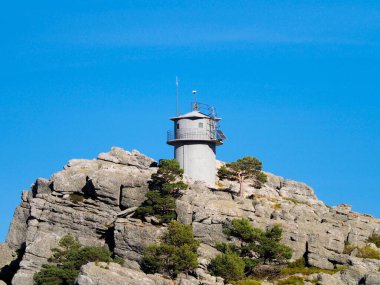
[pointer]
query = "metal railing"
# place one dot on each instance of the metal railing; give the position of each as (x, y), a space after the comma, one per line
(191, 134)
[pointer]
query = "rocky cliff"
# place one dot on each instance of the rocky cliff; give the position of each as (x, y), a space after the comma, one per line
(95, 199)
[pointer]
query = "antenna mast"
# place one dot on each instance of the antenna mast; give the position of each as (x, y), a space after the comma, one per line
(195, 106)
(176, 84)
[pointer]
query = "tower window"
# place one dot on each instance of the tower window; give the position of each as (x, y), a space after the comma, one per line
(200, 125)
(177, 125)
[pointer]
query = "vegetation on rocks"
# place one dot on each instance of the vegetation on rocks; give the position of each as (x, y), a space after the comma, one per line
(164, 188)
(257, 247)
(368, 252)
(228, 265)
(293, 280)
(299, 267)
(175, 254)
(374, 238)
(76, 197)
(242, 169)
(117, 181)
(246, 282)
(67, 259)
(362, 252)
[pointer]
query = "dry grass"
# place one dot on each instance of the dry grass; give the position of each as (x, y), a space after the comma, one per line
(76, 197)
(363, 252)
(295, 201)
(246, 282)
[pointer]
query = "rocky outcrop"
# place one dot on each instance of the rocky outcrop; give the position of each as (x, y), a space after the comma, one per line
(95, 200)
(360, 272)
(113, 274)
(83, 199)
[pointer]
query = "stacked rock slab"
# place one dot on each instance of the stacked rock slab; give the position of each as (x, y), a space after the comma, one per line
(95, 199)
(48, 211)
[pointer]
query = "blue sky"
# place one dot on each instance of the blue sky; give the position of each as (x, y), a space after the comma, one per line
(296, 83)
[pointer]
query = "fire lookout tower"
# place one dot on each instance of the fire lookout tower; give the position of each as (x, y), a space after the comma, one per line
(195, 138)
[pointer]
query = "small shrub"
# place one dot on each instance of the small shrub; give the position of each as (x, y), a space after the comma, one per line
(293, 280)
(119, 260)
(246, 282)
(251, 256)
(348, 248)
(369, 252)
(229, 266)
(276, 206)
(76, 197)
(309, 270)
(242, 229)
(219, 185)
(54, 275)
(227, 248)
(363, 252)
(66, 261)
(164, 188)
(374, 238)
(162, 206)
(177, 253)
(266, 271)
(299, 263)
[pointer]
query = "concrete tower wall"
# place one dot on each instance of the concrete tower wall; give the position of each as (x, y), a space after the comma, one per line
(194, 124)
(197, 159)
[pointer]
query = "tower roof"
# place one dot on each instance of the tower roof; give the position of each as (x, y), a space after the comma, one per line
(193, 114)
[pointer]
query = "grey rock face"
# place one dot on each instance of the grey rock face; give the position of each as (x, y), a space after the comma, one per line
(113, 274)
(8, 258)
(120, 156)
(7, 255)
(94, 199)
(48, 211)
(132, 236)
(18, 229)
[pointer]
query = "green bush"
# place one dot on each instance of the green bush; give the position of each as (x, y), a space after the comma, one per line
(265, 243)
(265, 246)
(230, 266)
(55, 275)
(66, 261)
(374, 238)
(164, 188)
(162, 206)
(177, 253)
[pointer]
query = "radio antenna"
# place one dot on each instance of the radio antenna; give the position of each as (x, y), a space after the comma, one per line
(177, 99)
(195, 106)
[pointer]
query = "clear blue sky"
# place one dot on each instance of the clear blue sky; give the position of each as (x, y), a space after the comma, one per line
(296, 82)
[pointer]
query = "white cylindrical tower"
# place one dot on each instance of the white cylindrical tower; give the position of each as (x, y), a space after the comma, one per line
(195, 138)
